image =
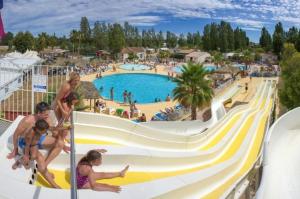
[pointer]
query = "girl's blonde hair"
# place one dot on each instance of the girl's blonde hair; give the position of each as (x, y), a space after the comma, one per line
(73, 75)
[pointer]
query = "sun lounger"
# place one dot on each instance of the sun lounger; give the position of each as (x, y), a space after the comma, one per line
(110, 111)
(136, 113)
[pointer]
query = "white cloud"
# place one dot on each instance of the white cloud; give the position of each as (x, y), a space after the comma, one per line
(63, 15)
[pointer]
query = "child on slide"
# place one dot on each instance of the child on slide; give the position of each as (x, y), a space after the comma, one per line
(87, 177)
(30, 144)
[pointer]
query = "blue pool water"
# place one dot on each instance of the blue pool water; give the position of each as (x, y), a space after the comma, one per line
(134, 67)
(144, 87)
(177, 69)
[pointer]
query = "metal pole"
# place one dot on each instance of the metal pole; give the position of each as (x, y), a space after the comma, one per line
(73, 162)
(32, 92)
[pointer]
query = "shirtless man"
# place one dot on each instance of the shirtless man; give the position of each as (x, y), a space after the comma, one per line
(55, 142)
(30, 143)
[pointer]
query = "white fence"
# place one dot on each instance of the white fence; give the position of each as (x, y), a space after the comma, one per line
(21, 90)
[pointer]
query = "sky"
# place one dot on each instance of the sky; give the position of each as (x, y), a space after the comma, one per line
(179, 16)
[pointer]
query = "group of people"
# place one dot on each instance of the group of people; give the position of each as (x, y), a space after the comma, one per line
(168, 99)
(127, 97)
(40, 131)
(99, 75)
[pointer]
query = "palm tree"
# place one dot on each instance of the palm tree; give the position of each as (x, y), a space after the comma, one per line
(218, 58)
(193, 90)
(248, 58)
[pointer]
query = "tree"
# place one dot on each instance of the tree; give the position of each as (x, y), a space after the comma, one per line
(85, 30)
(193, 90)
(265, 40)
(297, 44)
(278, 39)
(8, 40)
(292, 35)
(218, 58)
(41, 42)
(75, 39)
(248, 57)
(289, 93)
(190, 40)
(163, 55)
(100, 36)
(182, 41)
(24, 41)
(171, 40)
(288, 52)
(52, 41)
(223, 37)
(160, 39)
(197, 40)
(206, 38)
(8, 37)
(116, 38)
(214, 37)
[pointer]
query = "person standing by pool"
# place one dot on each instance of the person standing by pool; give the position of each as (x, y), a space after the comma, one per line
(129, 97)
(168, 98)
(125, 94)
(112, 94)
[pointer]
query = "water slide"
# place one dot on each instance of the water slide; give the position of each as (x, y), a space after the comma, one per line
(281, 164)
(193, 127)
(162, 165)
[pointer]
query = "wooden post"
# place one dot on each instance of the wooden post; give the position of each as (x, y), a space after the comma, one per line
(90, 104)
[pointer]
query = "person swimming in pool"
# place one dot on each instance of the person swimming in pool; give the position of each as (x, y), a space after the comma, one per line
(87, 177)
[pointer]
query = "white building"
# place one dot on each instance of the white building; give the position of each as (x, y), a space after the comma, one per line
(138, 51)
(197, 57)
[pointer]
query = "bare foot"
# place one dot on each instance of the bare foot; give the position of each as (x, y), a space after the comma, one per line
(67, 149)
(12, 154)
(123, 172)
(116, 189)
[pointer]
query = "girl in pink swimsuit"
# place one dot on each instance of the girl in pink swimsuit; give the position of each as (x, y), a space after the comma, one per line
(87, 177)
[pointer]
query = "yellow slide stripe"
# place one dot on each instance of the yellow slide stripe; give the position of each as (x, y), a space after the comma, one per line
(139, 177)
(249, 162)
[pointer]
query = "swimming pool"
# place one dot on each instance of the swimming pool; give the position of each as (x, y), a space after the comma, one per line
(144, 87)
(134, 67)
(208, 68)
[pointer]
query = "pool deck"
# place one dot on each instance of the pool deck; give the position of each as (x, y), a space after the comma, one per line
(152, 108)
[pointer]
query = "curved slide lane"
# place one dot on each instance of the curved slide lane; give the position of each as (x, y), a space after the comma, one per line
(163, 164)
(281, 164)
